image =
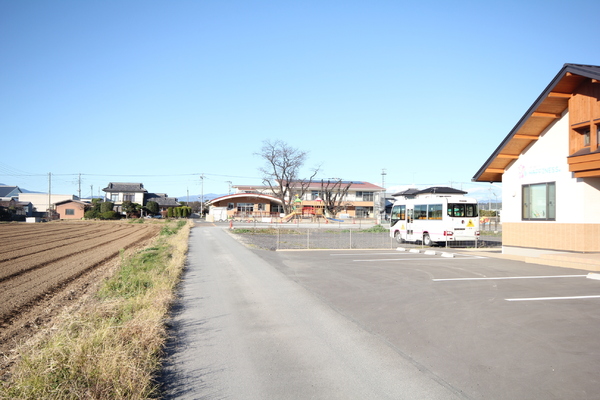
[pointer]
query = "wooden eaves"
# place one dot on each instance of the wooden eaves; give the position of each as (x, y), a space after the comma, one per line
(548, 108)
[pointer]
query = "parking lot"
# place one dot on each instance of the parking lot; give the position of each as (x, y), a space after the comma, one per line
(489, 327)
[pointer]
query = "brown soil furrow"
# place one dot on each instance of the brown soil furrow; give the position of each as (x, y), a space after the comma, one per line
(29, 262)
(37, 247)
(24, 290)
(13, 231)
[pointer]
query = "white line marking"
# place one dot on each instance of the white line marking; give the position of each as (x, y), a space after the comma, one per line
(414, 258)
(555, 298)
(511, 277)
(366, 254)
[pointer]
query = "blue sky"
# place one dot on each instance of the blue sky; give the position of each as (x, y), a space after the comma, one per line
(163, 92)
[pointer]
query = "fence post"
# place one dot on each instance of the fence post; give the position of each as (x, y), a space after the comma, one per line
(350, 238)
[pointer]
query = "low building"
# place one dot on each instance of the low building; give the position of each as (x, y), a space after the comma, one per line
(9, 192)
(71, 209)
(362, 200)
(42, 201)
(549, 166)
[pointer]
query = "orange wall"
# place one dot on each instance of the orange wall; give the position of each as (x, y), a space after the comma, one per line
(555, 236)
(79, 210)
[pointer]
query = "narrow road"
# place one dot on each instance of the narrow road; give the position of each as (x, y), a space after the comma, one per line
(243, 330)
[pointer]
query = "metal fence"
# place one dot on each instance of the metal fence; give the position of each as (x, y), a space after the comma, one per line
(277, 238)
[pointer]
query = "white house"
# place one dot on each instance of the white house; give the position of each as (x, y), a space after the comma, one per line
(549, 166)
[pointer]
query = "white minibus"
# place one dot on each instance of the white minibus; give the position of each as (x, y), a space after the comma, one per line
(434, 215)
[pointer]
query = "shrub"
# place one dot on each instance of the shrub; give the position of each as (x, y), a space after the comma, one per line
(106, 206)
(109, 215)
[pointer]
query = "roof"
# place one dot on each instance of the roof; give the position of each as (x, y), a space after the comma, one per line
(440, 190)
(316, 184)
(162, 200)
(125, 187)
(547, 108)
(72, 201)
(407, 192)
(430, 190)
(5, 190)
(238, 195)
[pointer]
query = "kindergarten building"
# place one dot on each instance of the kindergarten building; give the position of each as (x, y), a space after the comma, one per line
(549, 166)
(363, 200)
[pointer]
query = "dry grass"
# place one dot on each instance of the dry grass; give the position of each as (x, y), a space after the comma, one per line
(112, 348)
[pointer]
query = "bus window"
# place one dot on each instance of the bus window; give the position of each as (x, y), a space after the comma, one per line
(462, 210)
(398, 213)
(421, 211)
(471, 210)
(434, 211)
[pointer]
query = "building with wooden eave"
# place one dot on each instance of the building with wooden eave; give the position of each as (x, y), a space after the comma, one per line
(549, 166)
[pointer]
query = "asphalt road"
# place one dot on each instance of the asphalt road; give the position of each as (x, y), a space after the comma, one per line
(244, 330)
(373, 324)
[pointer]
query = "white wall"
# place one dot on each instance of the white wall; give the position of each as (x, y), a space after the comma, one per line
(546, 161)
(40, 200)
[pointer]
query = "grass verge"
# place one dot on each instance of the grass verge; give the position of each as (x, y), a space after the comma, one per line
(112, 347)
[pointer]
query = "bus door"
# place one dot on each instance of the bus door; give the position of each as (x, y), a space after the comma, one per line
(409, 225)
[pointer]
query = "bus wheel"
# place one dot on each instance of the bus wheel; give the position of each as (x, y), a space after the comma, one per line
(398, 237)
(426, 239)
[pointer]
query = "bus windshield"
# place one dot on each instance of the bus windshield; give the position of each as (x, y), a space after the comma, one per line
(462, 210)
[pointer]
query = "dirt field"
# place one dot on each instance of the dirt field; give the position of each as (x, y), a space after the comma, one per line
(47, 267)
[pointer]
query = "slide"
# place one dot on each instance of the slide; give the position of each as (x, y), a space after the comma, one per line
(288, 217)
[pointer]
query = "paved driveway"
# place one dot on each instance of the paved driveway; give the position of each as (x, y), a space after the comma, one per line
(491, 328)
(257, 324)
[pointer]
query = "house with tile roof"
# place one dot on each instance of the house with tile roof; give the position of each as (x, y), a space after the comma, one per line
(549, 166)
(119, 192)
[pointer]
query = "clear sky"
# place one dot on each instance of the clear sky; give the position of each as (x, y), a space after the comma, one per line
(163, 92)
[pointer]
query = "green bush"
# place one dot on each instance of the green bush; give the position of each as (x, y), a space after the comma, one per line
(91, 214)
(106, 206)
(109, 215)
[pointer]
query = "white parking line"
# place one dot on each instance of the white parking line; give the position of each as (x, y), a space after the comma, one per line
(365, 254)
(415, 259)
(555, 298)
(511, 277)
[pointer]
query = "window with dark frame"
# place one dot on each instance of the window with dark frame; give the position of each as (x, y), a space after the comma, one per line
(539, 202)
(69, 211)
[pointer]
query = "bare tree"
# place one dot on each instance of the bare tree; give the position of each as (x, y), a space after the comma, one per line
(333, 192)
(281, 170)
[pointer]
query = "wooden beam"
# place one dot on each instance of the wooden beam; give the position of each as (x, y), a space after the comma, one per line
(495, 170)
(595, 81)
(559, 95)
(526, 137)
(587, 174)
(509, 156)
(545, 115)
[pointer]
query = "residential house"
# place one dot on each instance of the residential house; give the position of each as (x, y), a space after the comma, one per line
(71, 209)
(42, 202)
(549, 166)
(13, 210)
(118, 192)
(164, 202)
(9, 192)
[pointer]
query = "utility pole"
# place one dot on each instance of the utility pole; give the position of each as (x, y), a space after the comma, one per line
(383, 174)
(80, 186)
(49, 191)
(202, 196)
(92, 191)
(229, 190)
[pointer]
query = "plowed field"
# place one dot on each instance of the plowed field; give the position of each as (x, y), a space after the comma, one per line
(44, 267)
